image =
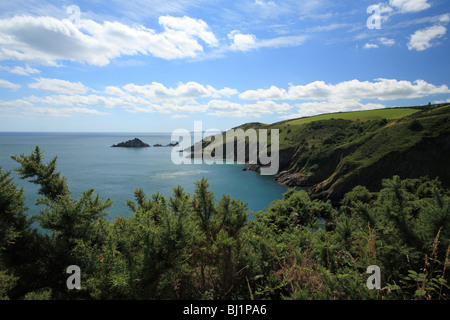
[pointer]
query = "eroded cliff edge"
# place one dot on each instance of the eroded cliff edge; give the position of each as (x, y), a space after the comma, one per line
(331, 154)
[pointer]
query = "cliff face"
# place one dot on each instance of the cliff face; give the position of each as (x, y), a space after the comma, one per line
(410, 147)
(429, 157)
(332, 155)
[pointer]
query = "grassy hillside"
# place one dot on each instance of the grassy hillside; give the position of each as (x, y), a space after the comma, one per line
(289, 128)
(378, 114)
(331, 153)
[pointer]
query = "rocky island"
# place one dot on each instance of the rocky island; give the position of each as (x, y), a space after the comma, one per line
(168, 145)
(135, 143)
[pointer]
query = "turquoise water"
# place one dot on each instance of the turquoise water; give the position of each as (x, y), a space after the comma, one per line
(88, 161)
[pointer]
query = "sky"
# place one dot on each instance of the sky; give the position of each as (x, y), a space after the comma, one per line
(161, 65)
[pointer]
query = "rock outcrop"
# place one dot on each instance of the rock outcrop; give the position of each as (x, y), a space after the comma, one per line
(429, 158)
(167, 145)
(135, 143)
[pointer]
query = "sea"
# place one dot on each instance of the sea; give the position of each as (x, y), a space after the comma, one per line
(87, 161)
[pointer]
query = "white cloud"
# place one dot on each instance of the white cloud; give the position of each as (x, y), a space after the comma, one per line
(183, 93)
(48, 40)
(381, 89)
(222, 108)
(114, 91)
(444, 18)
(23, 71)
(386, 41)
(279, 42)
(442, 101)
(14, 104)
(329, 27)
(59, 86)
(9, 85)
(406, 6)
(382, 40)
(273, 93)
(191, 97)
(62, 112)
(87, 100)
(215, 107)
(385, 9)
(370, 46)
(245, 42)
(154, 97)
(167, 108)
(185, 26)
(421, 39)
(242, 42)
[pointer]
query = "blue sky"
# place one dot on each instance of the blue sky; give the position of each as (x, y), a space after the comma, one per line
(155, 66)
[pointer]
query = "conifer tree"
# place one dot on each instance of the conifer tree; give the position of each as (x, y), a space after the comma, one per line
(69, 220)
(20, 245)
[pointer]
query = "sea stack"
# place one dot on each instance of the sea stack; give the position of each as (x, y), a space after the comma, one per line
(135, 143)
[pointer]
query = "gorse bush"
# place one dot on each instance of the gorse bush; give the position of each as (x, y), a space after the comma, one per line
(199, 247)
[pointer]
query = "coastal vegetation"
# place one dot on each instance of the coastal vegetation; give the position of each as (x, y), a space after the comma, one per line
(330, 154)
(374, 191)
(197, 246)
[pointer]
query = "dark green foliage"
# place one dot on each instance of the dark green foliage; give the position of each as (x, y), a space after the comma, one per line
(192, 247)
(51, 183)
(415, 125)
(297, 209)
(20, 246)
(13, 220)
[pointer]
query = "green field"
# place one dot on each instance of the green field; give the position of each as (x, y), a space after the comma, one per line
(378, 114)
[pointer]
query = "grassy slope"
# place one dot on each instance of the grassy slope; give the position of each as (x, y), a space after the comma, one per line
(378, 114)
(289, 128)
(358, 116)
(331, 152)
